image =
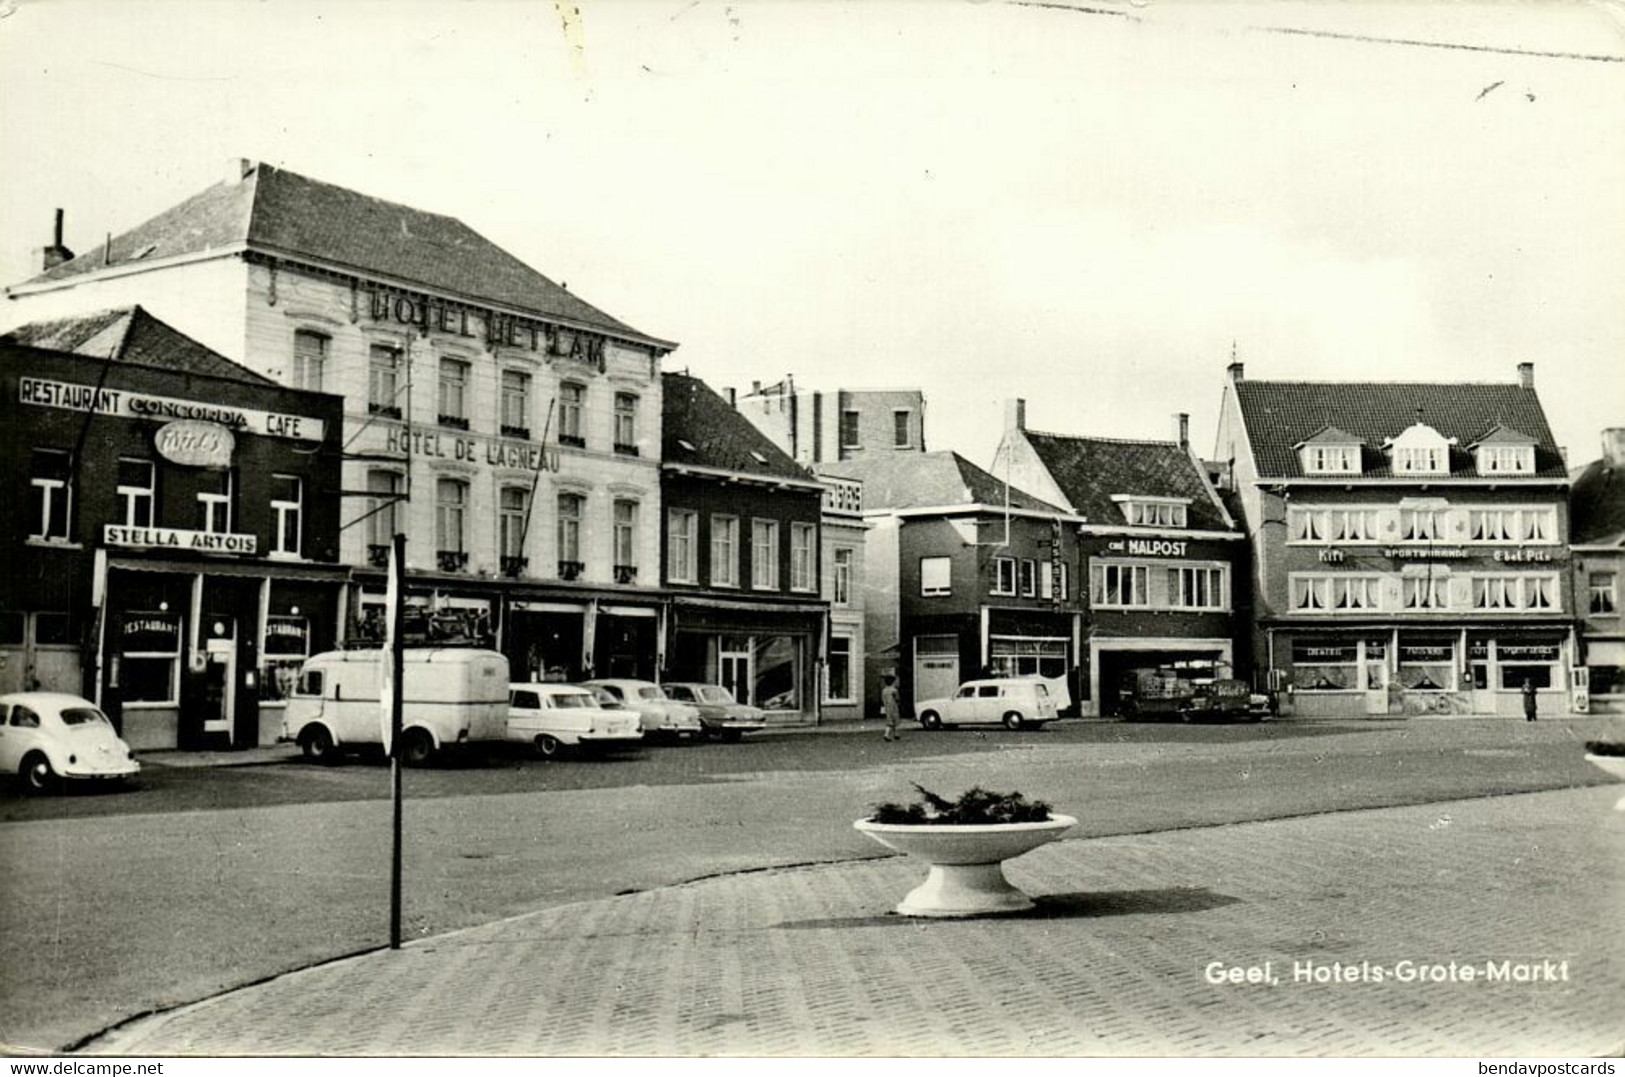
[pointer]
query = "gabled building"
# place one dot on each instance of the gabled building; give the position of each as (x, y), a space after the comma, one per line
(1597, 508)
(965, 576)
(816, 427)
(1159, 551)
(743, 549)
(843, 532)
(174, 550)
(1410, 543)
(509, 428)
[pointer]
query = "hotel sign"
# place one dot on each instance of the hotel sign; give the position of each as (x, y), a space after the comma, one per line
(195, 443)
(524, 455)
(168, 538)
(1149, 547)
(500, 329)
(125, 404)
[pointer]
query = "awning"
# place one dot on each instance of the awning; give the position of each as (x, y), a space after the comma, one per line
(253, 569)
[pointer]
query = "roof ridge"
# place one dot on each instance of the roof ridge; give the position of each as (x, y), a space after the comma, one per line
(1372, 384)
(1111, 440)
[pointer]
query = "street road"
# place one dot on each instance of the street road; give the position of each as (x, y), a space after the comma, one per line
(202, 879)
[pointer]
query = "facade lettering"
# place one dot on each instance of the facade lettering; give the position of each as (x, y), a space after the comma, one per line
(174, 539)
(1156, 548)
(123, 403)
(514, 454)
(500, 329)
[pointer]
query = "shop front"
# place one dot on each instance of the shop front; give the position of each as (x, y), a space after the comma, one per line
(1114, 663)
(767, 654)
(1030, 643)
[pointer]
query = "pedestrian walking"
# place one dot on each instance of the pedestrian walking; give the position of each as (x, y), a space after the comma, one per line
(1528, 700)
(892, 705)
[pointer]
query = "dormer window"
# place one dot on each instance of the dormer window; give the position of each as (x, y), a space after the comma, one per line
(1504, 451)
(1420, 450)
(1153, 511)
(1330, 451)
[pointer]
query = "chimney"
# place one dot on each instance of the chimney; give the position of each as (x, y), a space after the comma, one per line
(733, 400)
(1526, 375)
(1235, 369)
(755, 388)
(238, 169)
(56, 253)
(1015, 414)
(1613, 446)
(1182, 429)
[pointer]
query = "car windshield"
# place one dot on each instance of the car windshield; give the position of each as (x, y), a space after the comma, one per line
(573, 700)
(651, 692)
(83, 716)
(716, 694)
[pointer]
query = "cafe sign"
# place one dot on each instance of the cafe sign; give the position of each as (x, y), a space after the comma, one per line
(169, 538)
(195, 443)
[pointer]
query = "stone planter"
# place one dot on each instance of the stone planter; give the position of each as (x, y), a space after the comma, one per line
(966, 876)
(1613, 764)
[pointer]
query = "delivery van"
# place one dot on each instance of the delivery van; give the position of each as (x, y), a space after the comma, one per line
(449, 695)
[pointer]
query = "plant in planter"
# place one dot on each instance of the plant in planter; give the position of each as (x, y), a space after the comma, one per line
(966, 842)
(1610, 756)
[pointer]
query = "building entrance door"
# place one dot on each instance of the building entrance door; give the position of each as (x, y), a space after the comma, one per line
(219, 685)
(734, 668)
(936, 667)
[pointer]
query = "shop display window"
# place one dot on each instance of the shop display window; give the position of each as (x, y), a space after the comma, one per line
(149, 659)
(1427, 666)
(1326, 666)
(777, 664)
(287, 645)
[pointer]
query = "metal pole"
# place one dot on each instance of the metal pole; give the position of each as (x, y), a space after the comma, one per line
(398, 569)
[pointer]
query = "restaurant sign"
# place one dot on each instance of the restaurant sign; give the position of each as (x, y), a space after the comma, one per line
(169, 538)
(195, 443)
(123, 403)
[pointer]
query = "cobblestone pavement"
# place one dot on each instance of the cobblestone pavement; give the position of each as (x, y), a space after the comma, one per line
(809, 961)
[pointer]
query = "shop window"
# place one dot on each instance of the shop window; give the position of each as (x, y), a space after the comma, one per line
(287, 645)
(1602, 593)
(451, 508)
(803, 538)
(513, 504)
(1534, 662)
(626, 424)
(1013, 657)
(1004, 575)
(515, 404)
(1607, 680)
(682, 532)
(838, 670)
(1325, 665)
(51, 501)
(936, 576)
(572, 398)
(149, 659)
(383, 492)
(849, 429)
(136, 489)
(902, 427)
(1427, 666)
(764, 554)
(453, 394)
(841, 577)
(309, 359)
(776, 661)
(570, 508)
(625, 540)
(287, 506)
(214, 502)
(383, 381)
(1029, 578)
(725, 551)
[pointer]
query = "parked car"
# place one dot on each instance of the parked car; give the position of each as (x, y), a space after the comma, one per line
(46, 737)
(1017, 702)
(662, 717)
(556, 717)
(1222, 700)
(723, 717)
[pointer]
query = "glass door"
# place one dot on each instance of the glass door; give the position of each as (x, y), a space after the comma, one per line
(734, 667)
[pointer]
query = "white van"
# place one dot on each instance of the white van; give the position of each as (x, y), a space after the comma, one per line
(449, 695)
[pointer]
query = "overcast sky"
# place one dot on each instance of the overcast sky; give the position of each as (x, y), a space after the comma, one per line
(1082, 205)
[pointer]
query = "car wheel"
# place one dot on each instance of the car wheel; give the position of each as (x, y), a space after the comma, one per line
(36, 773)
(931, 720)
(549, 746)
(1013, 721)
(317, 744)
(417, 747)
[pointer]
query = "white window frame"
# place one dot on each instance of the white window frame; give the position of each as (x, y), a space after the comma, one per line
(624, 532)
(131, 497)
(857, 428)
(454, 378)
(1528, 592)
(514, 390)
(850, 696)
(1154, 512)
(1108, 590)
(626, 420)
(1425, 592)
(907, 440)
(842, 559)
(572, 508)
(1602, 593)
(451, 515)
(216, 506)
(173, 656)
(383, 378)
(572, 405)
(306, 364)
(511, 520)
(724, 551)
(764, 555)
(1331, 459)
(682, 536)
(381, 517)
(1421, 460)
(47, 491)
(1186, 583)
(285, 512)
(1421, 525)
(1506, 459)
(936, 576)
(1029, 578)
(1006, 579)
(803, 544)
(1335, 593)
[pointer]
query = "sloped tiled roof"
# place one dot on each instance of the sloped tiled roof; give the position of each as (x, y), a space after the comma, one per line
(912, 480)
(283, 213)
(699, 428)
(1597, 505)
(1501, 434)
(1090, 470)
(131, 335)
(1279, 415)
(1329, 435)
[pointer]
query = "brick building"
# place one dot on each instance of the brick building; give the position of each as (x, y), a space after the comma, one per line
(815, 427)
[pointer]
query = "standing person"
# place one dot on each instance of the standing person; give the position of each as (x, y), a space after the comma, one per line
(892, 705)
(1528, 700)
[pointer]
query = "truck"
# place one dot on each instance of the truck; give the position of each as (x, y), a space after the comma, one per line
(449, 696)
(1163, 695)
